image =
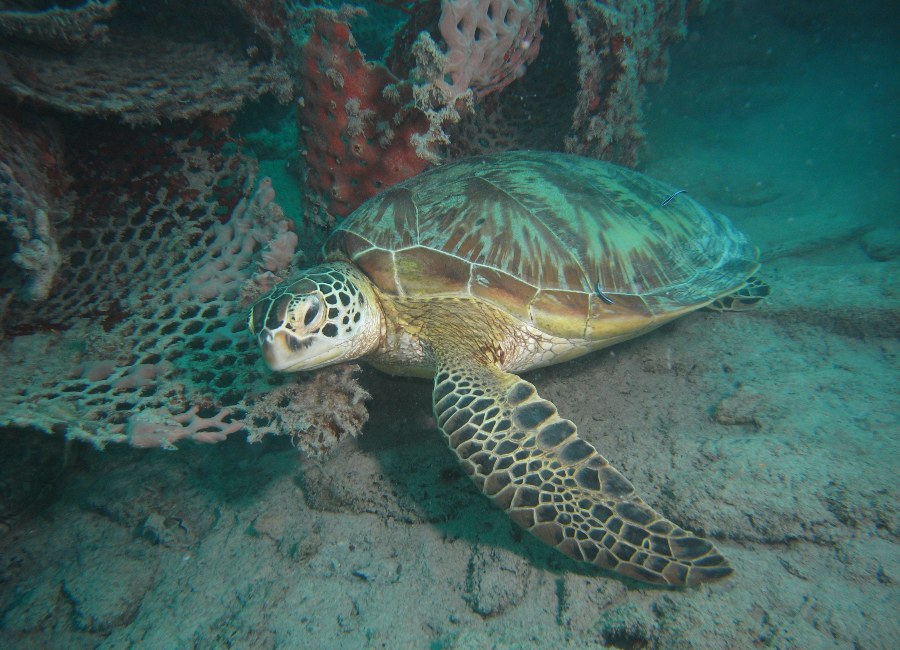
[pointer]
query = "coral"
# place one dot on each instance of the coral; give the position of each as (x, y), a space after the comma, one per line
(585, 93)
(159, 428)
(488, 42)
(57, 27)
(320, 410)
(144, 338)
(139, 255)
(269, 18)
(621, 46)
(365, 129)
(435, 99)
(442, 93)
(355, 121)
(139, 74)
(38, 254)
(222, 271)
(30, 199)
(533, 112)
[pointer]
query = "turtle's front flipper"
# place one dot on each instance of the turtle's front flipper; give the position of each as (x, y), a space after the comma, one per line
(532, 463)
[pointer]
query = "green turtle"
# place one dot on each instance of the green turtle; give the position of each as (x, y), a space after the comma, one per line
(487, 267)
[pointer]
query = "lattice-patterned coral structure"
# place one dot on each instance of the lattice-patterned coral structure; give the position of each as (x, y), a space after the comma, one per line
(144, 338)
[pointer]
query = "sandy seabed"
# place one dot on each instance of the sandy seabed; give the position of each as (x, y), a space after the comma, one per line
(774, 432)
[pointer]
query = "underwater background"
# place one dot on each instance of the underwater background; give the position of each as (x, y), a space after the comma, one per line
(163, 164)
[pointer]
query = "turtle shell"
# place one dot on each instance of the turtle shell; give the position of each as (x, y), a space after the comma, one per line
(575, 246)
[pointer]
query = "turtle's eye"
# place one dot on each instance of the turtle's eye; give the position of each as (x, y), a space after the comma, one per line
(309, 311)
(312, 311)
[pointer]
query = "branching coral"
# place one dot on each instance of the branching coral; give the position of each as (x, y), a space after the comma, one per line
(319, 411)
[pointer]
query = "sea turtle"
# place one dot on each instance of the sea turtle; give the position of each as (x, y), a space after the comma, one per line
(490, 266)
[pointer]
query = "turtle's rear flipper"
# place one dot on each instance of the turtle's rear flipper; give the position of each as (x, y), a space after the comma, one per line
(747, 297)
(532, 463)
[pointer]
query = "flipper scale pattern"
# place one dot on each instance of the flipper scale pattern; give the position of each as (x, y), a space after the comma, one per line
(532, 463)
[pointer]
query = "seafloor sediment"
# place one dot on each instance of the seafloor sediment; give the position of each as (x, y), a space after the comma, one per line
(772, 431)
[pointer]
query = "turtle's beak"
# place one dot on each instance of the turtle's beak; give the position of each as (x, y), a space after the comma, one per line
(284, 352)
(270, 348)
(280, 349)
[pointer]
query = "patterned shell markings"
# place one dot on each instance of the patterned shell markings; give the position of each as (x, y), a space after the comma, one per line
(536, 232)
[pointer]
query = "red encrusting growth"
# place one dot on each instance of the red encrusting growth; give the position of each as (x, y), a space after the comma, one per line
(356, 121)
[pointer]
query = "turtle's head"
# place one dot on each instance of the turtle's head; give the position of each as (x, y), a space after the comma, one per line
(327, 315)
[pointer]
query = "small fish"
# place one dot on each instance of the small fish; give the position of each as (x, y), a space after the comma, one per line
(603, 296)
(669, 198)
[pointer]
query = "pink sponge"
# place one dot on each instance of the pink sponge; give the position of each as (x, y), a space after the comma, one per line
(489, 42)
